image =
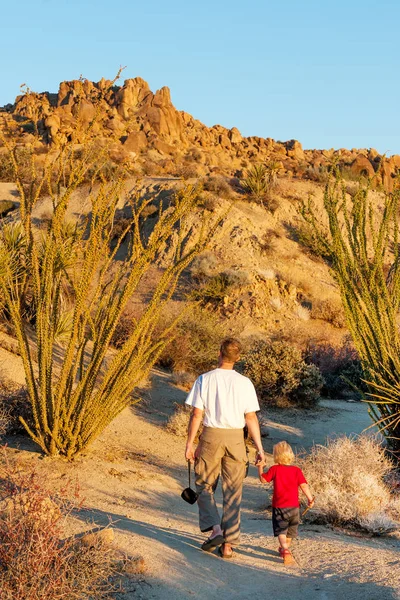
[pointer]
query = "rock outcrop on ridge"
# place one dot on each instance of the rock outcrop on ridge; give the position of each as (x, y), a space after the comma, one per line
(143, 126)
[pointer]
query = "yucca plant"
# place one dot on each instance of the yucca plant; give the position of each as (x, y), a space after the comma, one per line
(79, 288)
(363, 243)
(260, 180)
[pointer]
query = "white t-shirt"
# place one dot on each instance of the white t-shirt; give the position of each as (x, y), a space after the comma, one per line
(225, 396)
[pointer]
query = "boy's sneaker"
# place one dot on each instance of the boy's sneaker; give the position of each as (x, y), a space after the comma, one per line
(287, 557)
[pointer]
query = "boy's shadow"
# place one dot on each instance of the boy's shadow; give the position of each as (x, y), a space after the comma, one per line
(258, 552)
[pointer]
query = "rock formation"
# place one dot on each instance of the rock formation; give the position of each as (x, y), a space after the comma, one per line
(143, 126)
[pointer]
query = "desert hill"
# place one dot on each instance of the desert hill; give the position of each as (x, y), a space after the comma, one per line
(148, 131)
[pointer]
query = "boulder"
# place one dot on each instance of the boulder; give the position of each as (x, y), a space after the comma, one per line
(135, 141)
(295, 150)
(131, 95)
(361, 167)
(235, 135)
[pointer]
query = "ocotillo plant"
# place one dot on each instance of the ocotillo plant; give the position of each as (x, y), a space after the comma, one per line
(78, 287)
(363, 244)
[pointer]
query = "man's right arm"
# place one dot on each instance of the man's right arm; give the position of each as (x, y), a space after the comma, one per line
(254, 432)
(194, 424)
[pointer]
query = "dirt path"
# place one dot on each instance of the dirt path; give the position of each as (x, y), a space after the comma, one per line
(134, 475)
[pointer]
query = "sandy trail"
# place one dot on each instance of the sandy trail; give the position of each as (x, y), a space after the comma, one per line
(134, 475)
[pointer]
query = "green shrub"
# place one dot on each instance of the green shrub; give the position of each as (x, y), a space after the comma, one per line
(196, 346)
(216, 288)
(341, 369)
(23, 157)
(311, 242)
(281, 376)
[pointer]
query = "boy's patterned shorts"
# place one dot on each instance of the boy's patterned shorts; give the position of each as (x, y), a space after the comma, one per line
(285, 521)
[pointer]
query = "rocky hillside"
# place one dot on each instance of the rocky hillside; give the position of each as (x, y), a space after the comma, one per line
(146, 130)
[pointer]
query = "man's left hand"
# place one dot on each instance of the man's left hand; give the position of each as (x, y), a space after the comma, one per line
(260, 459)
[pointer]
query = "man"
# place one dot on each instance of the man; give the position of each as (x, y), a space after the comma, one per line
(229, 402)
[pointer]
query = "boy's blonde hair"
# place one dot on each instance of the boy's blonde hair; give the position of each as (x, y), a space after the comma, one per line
(283, 454)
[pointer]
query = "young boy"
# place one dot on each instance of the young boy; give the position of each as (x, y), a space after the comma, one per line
(287, 478)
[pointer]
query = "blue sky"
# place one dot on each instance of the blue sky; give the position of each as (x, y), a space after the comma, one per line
(325, 73)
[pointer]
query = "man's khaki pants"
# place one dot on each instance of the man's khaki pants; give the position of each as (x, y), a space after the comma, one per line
(221, 451)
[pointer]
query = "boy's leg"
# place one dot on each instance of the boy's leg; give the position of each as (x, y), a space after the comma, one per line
(283, 541)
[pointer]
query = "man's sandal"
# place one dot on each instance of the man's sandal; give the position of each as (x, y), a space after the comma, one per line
(212, 543)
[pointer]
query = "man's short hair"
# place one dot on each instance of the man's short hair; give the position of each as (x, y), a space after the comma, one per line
(231, 349)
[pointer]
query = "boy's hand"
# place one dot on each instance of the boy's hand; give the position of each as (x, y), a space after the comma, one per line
(311, 502)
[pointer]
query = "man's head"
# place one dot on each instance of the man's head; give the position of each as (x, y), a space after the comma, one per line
(230, 350)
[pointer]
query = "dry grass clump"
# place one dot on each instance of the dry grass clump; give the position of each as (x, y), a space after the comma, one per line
(302, 313)
(330, 310)
(35, 561)
(179, 421)
(347, 477)
(14, 403)
(204, 266)
(218, 185)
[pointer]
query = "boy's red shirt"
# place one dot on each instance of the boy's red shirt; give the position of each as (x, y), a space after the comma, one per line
(287, 479)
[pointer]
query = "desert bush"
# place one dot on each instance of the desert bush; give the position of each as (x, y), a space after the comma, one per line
(14, 403)
(215, 289)
(179, 421)
(183, 379)
(7, 168)
(36, 559)
(208, 201)
(268, 244)
(186, 171)
(330, 310)
(218, 185)
(124, 329)
(72, 404)
(311, 242)
(195, 348)
(204, 266)
(319, 174)
(340, 367)
(281, 376)
(121, 227)
(347, 477)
